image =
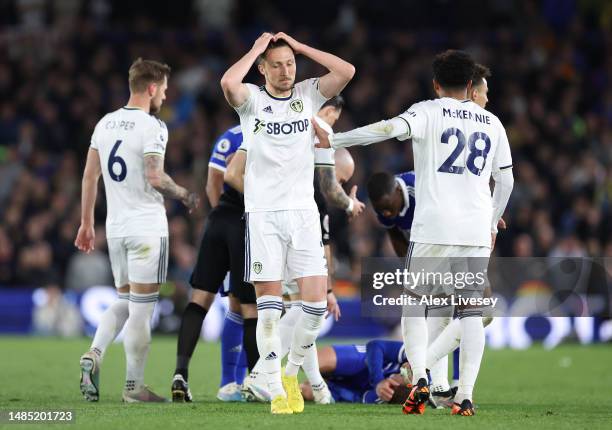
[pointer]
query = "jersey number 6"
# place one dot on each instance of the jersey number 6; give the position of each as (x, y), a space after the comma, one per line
(113, 159)
(447, 166)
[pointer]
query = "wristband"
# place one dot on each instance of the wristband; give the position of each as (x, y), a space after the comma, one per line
(349, 208)
(329, 291)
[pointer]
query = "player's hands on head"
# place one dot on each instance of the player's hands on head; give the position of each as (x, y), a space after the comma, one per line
(322, 135)
(192, 201)
(333, 308)
(295, 45)
(358, 207)
(262, 42)
(386, 388)
(85, 239)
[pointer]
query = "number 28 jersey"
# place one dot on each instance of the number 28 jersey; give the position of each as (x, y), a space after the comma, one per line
(122, 139)
(456, 146)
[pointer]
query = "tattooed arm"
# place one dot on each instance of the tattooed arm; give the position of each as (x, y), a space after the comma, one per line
(154, 172)
(334, 194)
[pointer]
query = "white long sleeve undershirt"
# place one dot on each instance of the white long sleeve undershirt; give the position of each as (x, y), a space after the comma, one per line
(504, 181)
(372, 133)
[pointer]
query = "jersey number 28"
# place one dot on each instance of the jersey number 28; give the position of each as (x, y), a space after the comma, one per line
(114, 159)
(447, 166)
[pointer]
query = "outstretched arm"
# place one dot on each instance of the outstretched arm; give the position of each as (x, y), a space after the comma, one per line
(366, 135)
(236, 93)
(340, 71)
(89, 191)
(162, 182)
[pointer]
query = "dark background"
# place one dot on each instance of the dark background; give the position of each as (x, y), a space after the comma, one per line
(63, 64)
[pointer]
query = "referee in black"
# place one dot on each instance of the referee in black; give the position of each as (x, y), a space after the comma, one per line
(221, 250)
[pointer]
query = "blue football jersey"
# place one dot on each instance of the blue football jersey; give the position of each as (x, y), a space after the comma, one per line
(360, 367)
(227, 144)
(404, 219)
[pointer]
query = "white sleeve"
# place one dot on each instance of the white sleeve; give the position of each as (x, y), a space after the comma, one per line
(416, 119)
(504, 181)
(248, 106)
(94, 137)
(311, 87)
(244, 146)
(372, 133)
(502, 158)
(155, 138)
(324, 157)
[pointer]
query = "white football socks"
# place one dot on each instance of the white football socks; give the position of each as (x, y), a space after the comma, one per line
(414, 333)
(437, 320)
(138, 338)
(444, 344)
(111, 323)
(269, 309)
(305, 334)
(287, 324)
(311, 368)
(472, 348)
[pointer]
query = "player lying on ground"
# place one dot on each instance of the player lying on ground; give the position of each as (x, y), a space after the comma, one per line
(221, 250)
(452, 140)
(127, 149)
(373, 373)
(283, 236)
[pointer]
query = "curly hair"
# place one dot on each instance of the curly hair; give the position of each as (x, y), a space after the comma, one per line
(453, 69)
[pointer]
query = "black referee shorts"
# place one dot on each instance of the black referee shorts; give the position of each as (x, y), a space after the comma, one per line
(222, 251)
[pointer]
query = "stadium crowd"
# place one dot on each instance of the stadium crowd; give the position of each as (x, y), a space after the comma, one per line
(63, 66)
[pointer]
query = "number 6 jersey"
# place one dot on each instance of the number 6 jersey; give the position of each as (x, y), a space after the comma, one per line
(456, 146)
(122, 139)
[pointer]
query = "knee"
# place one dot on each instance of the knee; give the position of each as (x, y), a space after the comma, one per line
(202, 298)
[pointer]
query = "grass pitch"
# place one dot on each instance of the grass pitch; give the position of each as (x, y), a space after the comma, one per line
(569, 387)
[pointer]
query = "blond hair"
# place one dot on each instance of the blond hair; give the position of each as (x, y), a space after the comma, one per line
(145, 72)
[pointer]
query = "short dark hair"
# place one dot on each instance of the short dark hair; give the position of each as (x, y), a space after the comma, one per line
(400, 394)
(336, 102)
(453, 69)
(480, 72)
(145, 72)
(273, 45)
(379, 185)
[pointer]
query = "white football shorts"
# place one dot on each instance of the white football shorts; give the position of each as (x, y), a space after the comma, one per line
(283, 245)
(447, 269)
(138, 259)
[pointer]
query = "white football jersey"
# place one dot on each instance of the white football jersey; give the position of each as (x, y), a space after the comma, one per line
(456, 146)
(279, 138)
(122, 138)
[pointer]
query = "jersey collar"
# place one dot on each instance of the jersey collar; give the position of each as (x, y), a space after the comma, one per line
(278, 98)
(404, 189)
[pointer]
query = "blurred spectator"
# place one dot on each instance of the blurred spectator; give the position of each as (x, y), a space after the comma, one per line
(56, 315)
(550, 87)
(88, 270)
